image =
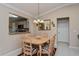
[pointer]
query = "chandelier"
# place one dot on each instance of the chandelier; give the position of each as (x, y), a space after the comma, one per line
(38, 20)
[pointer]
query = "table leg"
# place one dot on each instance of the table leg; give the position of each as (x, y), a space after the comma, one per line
(40, 49)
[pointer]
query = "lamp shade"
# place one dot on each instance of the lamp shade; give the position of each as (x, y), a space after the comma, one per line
(35, 21)
(41, 21)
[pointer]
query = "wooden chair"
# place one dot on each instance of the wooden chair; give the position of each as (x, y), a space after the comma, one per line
(28, 49)
(48, 48)
(51, 45)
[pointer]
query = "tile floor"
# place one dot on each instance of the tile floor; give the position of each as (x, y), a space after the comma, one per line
(64, 50)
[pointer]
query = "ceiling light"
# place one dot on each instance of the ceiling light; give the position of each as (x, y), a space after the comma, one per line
(38, 20)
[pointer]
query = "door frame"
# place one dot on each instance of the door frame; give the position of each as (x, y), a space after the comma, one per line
(67, 18)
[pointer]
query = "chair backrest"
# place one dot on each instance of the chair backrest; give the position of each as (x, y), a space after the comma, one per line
(52, 41)
(27, 48)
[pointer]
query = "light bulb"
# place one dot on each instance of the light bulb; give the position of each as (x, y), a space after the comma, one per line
(35, 21)
(38, 20)
(42, 21)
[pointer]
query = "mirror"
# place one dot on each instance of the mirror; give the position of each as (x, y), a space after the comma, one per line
(18, 24)
(46, 25)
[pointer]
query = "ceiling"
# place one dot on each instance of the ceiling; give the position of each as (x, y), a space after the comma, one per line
(32, 8)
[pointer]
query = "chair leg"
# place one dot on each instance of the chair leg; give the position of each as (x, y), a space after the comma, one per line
(53, 51)
(24, 54)
(38, 53)
(48, 54)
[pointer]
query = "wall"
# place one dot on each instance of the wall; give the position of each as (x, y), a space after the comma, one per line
(8, 42)
(73, 13)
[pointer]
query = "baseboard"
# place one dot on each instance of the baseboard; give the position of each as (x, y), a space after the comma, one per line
(14, 52)
(74, 47)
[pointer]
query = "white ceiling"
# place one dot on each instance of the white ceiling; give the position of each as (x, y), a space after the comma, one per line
(32, 8)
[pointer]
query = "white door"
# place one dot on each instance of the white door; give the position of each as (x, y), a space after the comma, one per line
(63, 30)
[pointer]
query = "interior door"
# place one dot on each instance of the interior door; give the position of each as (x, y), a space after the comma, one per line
(63, 30)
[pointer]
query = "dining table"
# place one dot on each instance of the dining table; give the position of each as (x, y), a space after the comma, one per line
(37, 40)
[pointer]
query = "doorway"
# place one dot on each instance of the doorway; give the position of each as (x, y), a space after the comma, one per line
(63, 29)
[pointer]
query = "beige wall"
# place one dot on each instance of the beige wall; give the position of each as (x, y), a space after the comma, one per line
(73, 13)
(8, 42)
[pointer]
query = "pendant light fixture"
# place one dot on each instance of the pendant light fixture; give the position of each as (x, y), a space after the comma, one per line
(38, 20)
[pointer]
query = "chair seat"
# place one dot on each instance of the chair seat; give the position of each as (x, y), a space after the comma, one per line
(34, 50)
(46, 47)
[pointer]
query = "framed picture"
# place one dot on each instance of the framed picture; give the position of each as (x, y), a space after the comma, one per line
(46, 25)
